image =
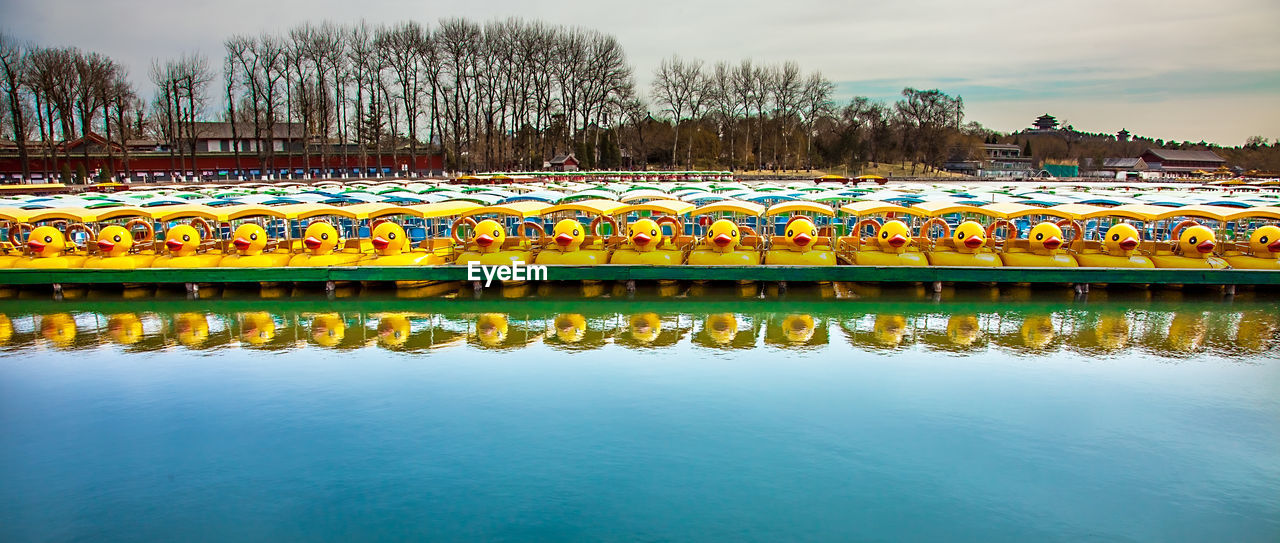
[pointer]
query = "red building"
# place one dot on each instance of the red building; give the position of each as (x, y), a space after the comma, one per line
(1180, 163)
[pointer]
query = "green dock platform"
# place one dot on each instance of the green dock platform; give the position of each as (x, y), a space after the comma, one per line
(799, 274)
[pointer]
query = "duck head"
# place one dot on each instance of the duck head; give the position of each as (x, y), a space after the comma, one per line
(320, 238)
(798, 328)
(1046, 238)
(388, 238)
(115, 241)
(970, 236)
(645, 327)
(393, 330)
(723, 236)
(1037, 331)
(1121, 239)
(570, 327)
(193, 328)
(1196, 241)
(801, 234)
(721, 328)
(645, 235)
(182, 240)
(491, 328)
(257, 328)
(125, 328)
(963, 330)
(489, 236)
(328, 330)
(46, 241)
(249, 239)
(889, 330)
(1265, 242)
(568, 235)
(59, 329)
(894, 237)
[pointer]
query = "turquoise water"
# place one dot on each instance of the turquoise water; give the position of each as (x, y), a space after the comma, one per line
(996, 418)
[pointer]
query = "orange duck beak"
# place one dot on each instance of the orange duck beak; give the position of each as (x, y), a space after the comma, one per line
(106, 246)
(1128, 244)
(380, 243)
(897, 241)
(36, 245)
(802, 239)
(722, 240)
(241, 243)
(1052, 243)
(484, 240)
(312, 243)
(973, 242)
(1205, 246)
(1274, 246)
(641, 239)
(173, 244)
(564, 240)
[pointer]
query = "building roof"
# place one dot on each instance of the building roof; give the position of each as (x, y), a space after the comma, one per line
(1009, 146)
(561, 159)
(1122, 163)
(1179, 154)
(222, 130)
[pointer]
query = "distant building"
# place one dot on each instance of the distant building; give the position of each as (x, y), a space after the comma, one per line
(1005, 160)
(1182, 163)
(1046, 122)
(1120, 168)
(564, 163)
(1122, 135)
(216, 137)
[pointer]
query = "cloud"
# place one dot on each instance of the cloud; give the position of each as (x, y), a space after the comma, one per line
(1086, 55)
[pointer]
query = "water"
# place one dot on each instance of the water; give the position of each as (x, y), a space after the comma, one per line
(986, 416)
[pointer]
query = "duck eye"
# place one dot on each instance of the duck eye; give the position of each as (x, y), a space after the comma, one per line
(1115, 237)
(959, 234)
(324, 235)
(186, 237)
(884, 235)
(1039, 236)
(653, 233)
(48, 239)
(253, 236)
(733, 233)
(790, 233)
(1263, 239)
(575, 231)
(497, 233)
(117, 238)
(391, 235)
(1192, 240)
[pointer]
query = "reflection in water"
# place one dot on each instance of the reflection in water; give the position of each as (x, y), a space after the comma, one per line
(1170, 330)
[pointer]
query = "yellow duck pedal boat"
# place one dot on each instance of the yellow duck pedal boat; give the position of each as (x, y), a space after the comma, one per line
(646, 243)
(890, 245)
(967, 246)
(1043, 249)
(719, 248)
(1264, 251)
(1119, 250)
(116, 246)
(801, 246)
(48, 247)
(1193, 248)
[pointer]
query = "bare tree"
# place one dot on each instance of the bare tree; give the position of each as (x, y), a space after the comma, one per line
(676, 84)
(13, 83)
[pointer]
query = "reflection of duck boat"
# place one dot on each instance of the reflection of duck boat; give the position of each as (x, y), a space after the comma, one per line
(193, 328)
(1186, 332)
(963, 330)
(491, 329)
(257, 328)
(569, 327)
(59, 329)
(889, 330)
(1037, 332)
(124, 328)
(328, 330)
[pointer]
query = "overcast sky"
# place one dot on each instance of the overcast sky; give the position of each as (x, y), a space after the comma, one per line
(1173, 69)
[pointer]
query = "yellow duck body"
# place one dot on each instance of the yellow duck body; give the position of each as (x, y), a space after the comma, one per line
(250, 241)
(1045, 241)
(115, 244)
(389, 241)
(566, 248)
(1118, 250)
(1196, 244)
(1264, 249)
(646, 245)
(320, 239)
(970, 249)
(489, 237)
(799, 248)
(183, 244)
(720, 247)
(47, 246)
(892, 247)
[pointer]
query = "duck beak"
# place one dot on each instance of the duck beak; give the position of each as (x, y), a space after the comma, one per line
(1128, 244)
(173, 244)
(35, 245)
(484, 240)
(106, 246)
(1205, 246)
(312, 243)
(897, 241)
(380, 243)
(1052, 243)
(802, 239)
(722, 240)
(973, 242)
(1274, 246)
(641, 239)
(564, 240)
(241, 243)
